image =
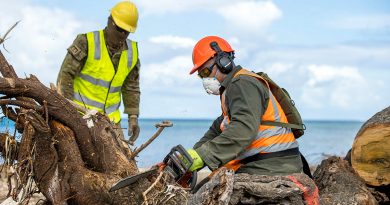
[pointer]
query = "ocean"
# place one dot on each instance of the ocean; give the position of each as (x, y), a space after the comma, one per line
(321, 139)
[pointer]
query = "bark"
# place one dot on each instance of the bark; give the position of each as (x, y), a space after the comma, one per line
(227, 188)
(370, 154)
(70, 162)
(339, 184)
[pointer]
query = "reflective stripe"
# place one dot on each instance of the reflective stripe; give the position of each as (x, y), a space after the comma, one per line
(276, 111)
(270, 148)
(95, 104)
(278, 147)
(95, 81)
(115, 89)
(113, 108)
(96, 37)
(129, 53)
(100, 82)
(88, 101)
(273, 132)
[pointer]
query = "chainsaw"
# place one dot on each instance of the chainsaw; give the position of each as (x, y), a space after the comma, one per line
(177, 164)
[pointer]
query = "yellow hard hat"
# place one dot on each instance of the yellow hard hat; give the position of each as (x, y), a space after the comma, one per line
(125, 15)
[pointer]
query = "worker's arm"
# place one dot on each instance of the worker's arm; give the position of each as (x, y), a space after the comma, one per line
(131, 91)
(73, 63)
(246, 98)
(213, 131)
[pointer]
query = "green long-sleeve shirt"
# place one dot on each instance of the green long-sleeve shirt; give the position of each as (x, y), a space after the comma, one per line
(74, 61)
(247, 99)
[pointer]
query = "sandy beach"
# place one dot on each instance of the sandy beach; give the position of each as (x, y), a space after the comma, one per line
(4, 190)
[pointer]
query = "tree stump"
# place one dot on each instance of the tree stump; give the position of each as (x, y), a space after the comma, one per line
(370, 155)
(226, 188)
(339, 184)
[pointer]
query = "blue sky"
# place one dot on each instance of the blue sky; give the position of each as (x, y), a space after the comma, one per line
(332, 56)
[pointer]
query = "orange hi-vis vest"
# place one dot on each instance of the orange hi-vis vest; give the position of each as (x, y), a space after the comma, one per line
(269, 138)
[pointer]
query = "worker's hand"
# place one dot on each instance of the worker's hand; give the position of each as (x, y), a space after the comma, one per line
(198, 162)
(133, 129)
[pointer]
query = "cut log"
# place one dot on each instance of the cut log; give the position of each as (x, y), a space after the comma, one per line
(226, 188)
(339, 184)
(370, 155)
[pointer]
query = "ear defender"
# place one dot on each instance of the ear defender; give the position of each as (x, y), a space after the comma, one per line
(223, 60)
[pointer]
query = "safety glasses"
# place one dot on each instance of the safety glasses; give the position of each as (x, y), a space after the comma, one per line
(206, 71)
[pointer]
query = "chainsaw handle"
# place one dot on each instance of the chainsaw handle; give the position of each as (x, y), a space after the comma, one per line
(187, 155)
(194, 179)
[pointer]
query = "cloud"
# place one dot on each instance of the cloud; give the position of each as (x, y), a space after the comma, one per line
(153, 7)
(368, 22)
(278, 68)
(253, 16)
(247, 15)
(173, 42)
(340, 87)
(366, 56)
(173, 72)
(169, 91)
(334, 82)
(38, 44)
(324, 73)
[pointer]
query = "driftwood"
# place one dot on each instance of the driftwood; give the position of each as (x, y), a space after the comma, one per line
(228, 188)
(370, 154)
(338, 183)
(69, 161)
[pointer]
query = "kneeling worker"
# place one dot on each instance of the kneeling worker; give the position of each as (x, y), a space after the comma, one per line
(239, 139)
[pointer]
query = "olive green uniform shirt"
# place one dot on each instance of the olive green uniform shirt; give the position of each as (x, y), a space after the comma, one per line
(74, 62)
(247, 99)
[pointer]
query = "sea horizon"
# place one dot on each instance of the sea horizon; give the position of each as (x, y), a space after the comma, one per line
(322, 138)
(211, 119)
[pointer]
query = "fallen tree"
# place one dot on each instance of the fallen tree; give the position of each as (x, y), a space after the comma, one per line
(69, 160)
(225, 187)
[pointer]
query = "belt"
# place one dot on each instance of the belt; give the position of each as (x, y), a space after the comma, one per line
(262, 156)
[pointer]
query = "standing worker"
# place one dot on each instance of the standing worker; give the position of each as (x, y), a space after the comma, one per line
(253, 134)
(100, 66)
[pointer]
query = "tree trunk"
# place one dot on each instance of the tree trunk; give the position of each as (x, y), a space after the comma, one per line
(70, 161)
(227, 188)
(370, 155)
(339, 184)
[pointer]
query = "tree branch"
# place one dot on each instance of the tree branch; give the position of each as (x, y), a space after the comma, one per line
(23, 104)
(2, 39)
(160, 127)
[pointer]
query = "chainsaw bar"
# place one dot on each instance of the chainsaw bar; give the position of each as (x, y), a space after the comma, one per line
(132, 179)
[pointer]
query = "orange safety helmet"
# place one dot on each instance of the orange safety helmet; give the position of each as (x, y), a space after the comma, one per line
(203, 52)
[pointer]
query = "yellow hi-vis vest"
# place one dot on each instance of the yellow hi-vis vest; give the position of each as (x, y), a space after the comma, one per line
(269, 138)
(98, 85)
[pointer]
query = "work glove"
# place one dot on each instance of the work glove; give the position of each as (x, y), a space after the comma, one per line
(133, 129)
(198, 162)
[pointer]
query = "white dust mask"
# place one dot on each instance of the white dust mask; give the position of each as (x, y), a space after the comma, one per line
(211, 85)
